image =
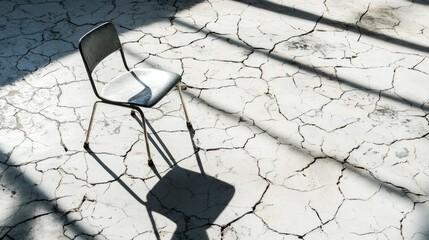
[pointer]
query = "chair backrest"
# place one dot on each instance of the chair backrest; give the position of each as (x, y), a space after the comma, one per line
(98, 44)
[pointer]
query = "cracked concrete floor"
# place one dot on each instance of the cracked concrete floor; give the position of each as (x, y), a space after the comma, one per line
(311, 122)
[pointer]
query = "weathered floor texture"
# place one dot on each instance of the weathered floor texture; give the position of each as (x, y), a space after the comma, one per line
(310, 118)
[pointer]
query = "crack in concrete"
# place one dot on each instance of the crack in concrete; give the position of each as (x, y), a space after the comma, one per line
(242, 118)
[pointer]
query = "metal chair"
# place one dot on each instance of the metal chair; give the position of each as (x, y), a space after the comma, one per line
(135, 88)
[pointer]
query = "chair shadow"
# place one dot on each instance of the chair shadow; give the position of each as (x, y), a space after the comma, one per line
(192, 200)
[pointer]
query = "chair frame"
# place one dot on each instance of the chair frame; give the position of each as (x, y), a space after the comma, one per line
(134, 107)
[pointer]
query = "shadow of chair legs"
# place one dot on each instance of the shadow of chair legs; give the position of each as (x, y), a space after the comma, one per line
(192, 200)
(168, 156)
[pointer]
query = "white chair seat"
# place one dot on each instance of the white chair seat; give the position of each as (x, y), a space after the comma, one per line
(140, 86)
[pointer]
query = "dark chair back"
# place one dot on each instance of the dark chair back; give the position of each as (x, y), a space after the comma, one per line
(98, 44)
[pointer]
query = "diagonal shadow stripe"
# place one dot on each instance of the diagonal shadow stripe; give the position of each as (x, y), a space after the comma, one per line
(423, 2)
(293, 12)
(57, 37)
(311, 70)
(27, 189)
(363, 173)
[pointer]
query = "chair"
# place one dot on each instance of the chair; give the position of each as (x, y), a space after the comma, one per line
(134, 88)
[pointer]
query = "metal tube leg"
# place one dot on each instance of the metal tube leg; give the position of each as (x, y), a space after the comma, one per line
(183, 104)
(88, 132)
(149, 161)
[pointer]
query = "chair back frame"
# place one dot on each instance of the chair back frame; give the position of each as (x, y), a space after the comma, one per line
(96, 45)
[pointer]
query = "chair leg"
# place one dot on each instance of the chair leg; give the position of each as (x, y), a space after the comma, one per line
(183, 104)
(88, 132)
(149, 161)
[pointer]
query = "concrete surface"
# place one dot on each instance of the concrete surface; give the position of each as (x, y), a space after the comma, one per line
(310, 118)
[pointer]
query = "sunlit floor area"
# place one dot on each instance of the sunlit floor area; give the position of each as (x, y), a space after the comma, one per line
(310, 120)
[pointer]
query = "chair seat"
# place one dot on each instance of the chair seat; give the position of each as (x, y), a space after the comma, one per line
(140, 86)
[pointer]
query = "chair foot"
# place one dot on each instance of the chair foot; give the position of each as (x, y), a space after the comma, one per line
(133, 113)
(86, 145)
(183, 86)
(189, 125)
(150, 163)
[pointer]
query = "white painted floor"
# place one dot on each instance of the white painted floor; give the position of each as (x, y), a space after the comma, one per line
(310, 121)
